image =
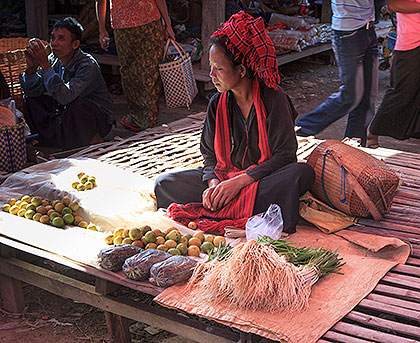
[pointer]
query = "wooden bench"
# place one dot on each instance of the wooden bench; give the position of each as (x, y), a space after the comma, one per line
(396, 295)
(17, 264)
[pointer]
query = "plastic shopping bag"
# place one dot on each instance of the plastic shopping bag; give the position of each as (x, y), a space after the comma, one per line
(268, 224)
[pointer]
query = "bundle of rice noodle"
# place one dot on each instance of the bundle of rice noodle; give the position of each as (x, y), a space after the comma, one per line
(253, 277)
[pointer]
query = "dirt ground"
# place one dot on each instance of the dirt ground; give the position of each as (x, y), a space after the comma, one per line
(49, 318)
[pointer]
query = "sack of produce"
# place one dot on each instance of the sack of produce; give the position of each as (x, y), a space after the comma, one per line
(138, 266)
(112, 258)
(177, 269)
(351, 180)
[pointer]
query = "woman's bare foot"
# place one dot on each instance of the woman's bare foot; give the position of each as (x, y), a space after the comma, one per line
(372, 141)
(96, 139)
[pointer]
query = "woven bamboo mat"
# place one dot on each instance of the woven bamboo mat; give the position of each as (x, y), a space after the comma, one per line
(160, 149)
(154, 151)
(391, 313)
(163, 149)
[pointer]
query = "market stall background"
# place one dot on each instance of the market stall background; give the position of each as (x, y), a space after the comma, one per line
(306, 95)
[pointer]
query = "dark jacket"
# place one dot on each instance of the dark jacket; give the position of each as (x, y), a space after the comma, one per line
(244, 134)
(80, 78)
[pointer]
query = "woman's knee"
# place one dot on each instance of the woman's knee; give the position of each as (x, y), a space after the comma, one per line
(351, 98)
(180, 187)
(163, 191)
(306, 175)
(298, 174)
(162, 181)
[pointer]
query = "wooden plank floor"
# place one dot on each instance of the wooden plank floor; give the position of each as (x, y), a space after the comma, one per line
(391, 312)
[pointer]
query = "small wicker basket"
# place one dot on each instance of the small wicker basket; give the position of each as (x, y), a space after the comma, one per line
(177, 77)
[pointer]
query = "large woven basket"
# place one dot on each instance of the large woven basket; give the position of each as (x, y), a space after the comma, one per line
(11, 44)
(12, 64)
(351, 180)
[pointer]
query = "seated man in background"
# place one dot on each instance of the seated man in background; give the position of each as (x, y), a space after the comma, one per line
(66, 99)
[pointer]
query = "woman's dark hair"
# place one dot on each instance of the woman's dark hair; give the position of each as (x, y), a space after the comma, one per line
(4, 88)
(72, 25)
(221, 42)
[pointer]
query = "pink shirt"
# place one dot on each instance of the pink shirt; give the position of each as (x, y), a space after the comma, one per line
(408, 30)
(132, 13)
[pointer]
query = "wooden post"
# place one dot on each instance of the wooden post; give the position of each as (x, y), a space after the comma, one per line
(105, 287)
(117, 328)
(10, 289)
(326, 12)
(37, 19)
(11, 294)
(117, 325)
(213, 13)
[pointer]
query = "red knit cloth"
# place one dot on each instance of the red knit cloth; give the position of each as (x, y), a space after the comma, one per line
(248, 35)
(237, 212)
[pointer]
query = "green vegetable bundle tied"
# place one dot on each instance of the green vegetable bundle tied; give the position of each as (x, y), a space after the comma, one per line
(270, 275)
(313, 263)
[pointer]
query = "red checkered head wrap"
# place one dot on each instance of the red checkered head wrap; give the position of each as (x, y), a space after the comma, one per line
(249, 37)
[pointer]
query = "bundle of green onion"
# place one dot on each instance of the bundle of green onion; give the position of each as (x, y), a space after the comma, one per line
(283, 272)
(324, 261)
(220, 253)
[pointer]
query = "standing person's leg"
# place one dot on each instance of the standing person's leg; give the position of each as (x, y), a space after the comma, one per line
(349, 51)
(359, 119)
(398, 115)
(284, 188)
(181, 187)
(153, 54)
(140, 50)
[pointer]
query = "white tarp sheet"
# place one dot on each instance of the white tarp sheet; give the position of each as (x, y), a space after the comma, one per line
(118, 200)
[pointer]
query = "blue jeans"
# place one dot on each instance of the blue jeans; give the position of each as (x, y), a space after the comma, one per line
(357, 56)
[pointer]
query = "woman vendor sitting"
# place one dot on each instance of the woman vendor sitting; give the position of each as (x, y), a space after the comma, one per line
(248, 140)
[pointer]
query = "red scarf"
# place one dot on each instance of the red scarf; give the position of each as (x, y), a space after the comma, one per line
(237, 212)
(249, 37)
